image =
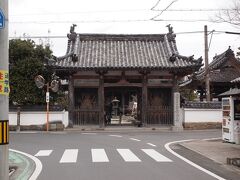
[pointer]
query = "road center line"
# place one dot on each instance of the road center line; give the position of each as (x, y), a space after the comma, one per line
(167, 146)
(135, 139)
(152, 144)
(90, 133)
(115, 135)
(38, 164)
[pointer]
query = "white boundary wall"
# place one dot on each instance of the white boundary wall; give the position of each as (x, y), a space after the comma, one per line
(38, 117)
(202, 115)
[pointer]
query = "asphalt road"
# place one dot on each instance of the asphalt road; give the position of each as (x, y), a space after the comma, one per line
(109, 155)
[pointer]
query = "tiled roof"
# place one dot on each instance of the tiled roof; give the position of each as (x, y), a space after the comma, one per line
(219, 71)
(202, 105)
(111, 51)
(230, 92)
(237, 80)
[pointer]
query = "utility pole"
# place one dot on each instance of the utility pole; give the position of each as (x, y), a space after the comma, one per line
(4, 91)
(47, 100)
(207, 84)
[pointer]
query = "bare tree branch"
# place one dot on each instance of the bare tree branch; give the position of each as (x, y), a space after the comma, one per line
(155, 5)
(231, 16)
(154, 18)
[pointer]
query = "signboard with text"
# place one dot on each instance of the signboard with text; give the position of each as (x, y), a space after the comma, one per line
(2, 20)
(4, 82)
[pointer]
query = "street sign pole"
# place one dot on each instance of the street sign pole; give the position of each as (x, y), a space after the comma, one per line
(4, 91)
(47, 101)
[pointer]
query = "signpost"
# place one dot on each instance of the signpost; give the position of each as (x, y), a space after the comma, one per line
(54, 86)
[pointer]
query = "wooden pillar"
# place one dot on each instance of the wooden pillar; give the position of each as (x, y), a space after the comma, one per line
(71, 101)
(101, 100)
(144, 99)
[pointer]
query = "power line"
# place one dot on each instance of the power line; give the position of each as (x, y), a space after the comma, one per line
(121, 10)
(64, 37)
(83, 21)
(194, 10)
(110, 21)
(38, 37)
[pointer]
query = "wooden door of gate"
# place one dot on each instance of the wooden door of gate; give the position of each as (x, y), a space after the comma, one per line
(86, 110)
(159, 108)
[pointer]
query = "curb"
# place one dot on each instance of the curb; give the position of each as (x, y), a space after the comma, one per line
(28, 166)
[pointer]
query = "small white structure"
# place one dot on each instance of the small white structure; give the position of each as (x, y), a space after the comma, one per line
(28, 118)
(202, 115)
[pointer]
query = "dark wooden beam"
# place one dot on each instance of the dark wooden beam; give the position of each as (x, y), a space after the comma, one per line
(144, 98)
(123, 85)
(101, 100)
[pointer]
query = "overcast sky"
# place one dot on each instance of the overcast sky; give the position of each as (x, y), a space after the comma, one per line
(54, 18)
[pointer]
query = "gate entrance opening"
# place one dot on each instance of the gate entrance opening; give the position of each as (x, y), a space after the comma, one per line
(122, 105)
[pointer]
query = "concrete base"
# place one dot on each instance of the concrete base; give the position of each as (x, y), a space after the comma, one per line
(203, 125)
(177, 128)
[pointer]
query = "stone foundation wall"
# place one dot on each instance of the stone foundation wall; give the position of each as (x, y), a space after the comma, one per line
(203, 125)
(52, 127)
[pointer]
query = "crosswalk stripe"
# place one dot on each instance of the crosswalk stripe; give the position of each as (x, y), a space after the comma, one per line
(43, 153)
(99, 155)
(69, 156)
(156, 155)
(128, 155)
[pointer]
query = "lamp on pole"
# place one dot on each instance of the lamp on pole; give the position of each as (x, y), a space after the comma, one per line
(54, 86)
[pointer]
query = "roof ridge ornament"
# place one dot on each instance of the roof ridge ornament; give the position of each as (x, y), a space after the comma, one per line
(170, 35)
(72, 35)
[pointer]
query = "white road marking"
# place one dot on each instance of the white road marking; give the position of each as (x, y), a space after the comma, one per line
(135, 139)
(167, 146)
(99, 155)
(43, 153)
(128, 155)
(115, 135)
(89, 133)
(38, 164)
(69, 156)
(209, 139)
(156, 155)
(25, 132)
(151, 144)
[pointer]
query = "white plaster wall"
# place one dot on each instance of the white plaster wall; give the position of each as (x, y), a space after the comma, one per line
(38, 118)
(202, 115)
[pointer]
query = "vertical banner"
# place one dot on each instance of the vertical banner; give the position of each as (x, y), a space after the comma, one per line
(4, 82)
(4, 132)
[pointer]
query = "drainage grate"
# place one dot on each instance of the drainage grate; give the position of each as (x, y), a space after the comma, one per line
(233, 161)
(12, 170)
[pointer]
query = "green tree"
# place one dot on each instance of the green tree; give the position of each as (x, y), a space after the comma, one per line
(26, 61)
